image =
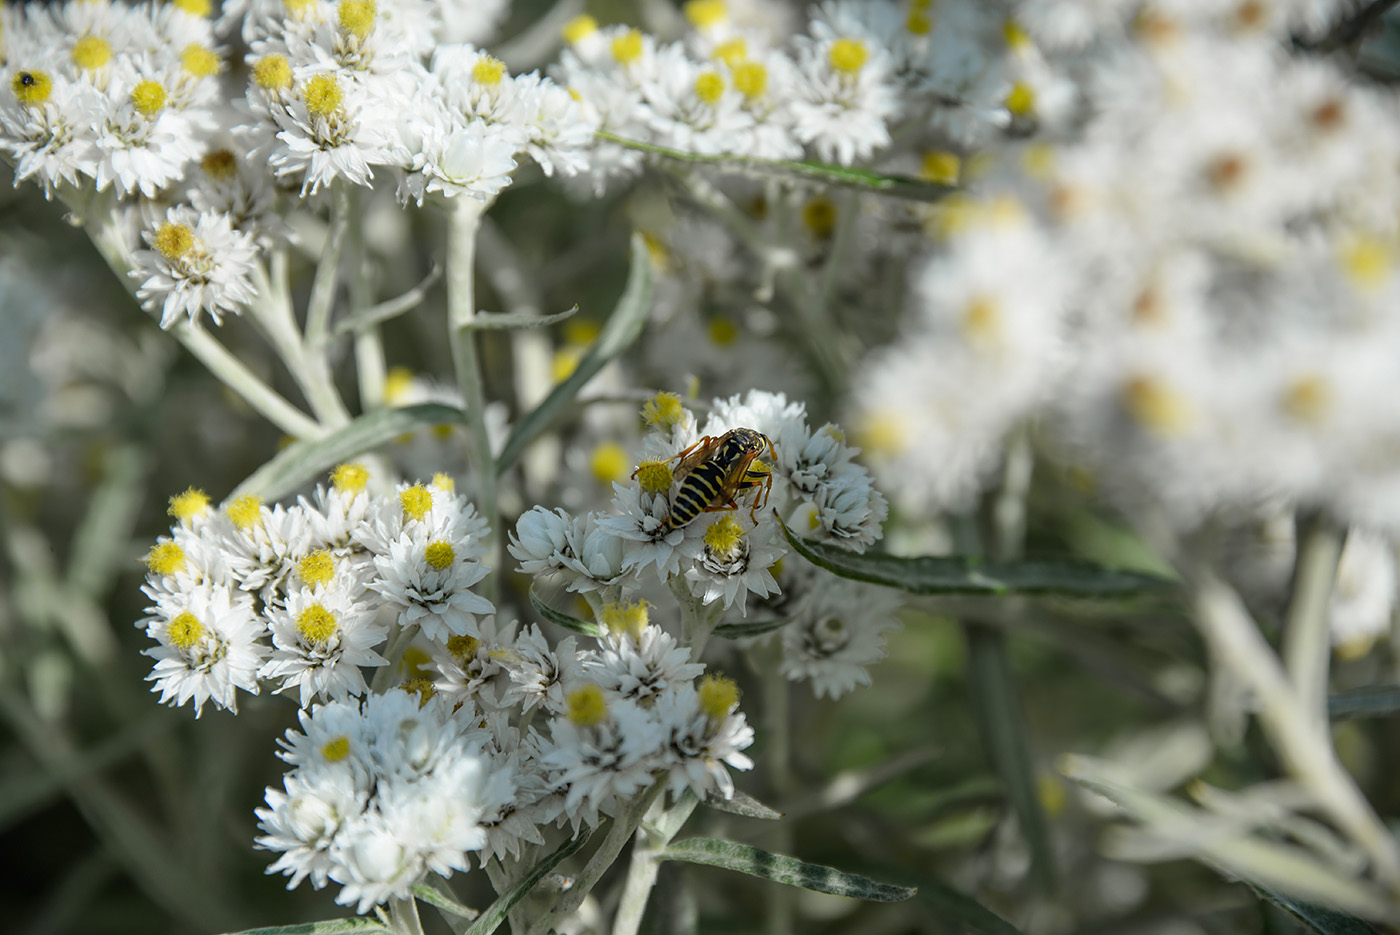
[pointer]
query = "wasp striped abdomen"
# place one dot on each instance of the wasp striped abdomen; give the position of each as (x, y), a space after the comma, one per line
(714, 470)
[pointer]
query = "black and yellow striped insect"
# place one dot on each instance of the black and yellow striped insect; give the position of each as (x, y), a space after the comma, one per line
(714, 471)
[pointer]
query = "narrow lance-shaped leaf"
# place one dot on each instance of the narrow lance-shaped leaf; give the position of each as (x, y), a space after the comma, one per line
(950, 905)
(1003, 731)
(496, 913)
(899, 186)
(1368, 701)
(962, 574)
(567, 621)
(328, 927)
(622, 328)
(486, 321)
(1320, 920)
(745, 858)
(746, 628)
(300, 461)
(743, 805)
(443, 901)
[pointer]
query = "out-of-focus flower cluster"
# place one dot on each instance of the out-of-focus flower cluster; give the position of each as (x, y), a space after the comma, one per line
(134, 99)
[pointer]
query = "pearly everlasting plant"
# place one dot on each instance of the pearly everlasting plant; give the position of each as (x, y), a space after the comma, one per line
(1030, 351)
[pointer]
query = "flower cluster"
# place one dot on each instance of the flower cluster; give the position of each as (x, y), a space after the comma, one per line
(408, 782)
(301, 598)
(1193, 293)
(742, 83)
(808, 479)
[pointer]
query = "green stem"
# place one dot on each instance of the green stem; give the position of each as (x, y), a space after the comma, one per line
(779, 909)
(621, 831)
(216, 358)
(463, 224)
(652, 838)
(403, 917)
(370, 368)
(1306, 637)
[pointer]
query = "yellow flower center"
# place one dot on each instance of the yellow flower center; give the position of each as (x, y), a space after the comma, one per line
(31, 87)
(350, 477)
(732, 51)
(186, 506)
(416, 501)
(244, 512)
(463, 647)
(173, 240)
(220, 164)
(444, 482)
(940, 167)
(579, 28)
(317, 568)
(663, 410)
(273, 72)
(148, 97)
(356, 17)
(848, 55)
(333, 751)
(316, 624)
(709, 87)
(200, 8)
(323, 95)
(703, 14)
(819, 216)
(718, 696)
(1308, 398)
(488, 71)
(91, 52)
(627, 48)
(751, 78)
(625, 617)
(608, 462)
(724, 537)
(184, 631)
(440, 554)
(586, 706)
(199, 61)
(165, 558)
(1154, 405)
(1020, 100)
(723, 331)
(655, 476)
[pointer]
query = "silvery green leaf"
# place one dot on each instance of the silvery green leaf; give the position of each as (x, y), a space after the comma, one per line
(301, 461)
(745, 858)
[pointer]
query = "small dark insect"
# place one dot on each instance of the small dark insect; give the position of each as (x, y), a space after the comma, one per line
(26, 79)
(714, 471)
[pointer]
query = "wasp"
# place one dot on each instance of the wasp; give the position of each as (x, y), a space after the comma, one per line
(714, 471)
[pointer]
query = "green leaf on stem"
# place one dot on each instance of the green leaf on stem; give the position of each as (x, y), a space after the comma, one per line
(899, 186)
(622, 328)
(435, 897)
(514, 321)
(951, 905)
(496, 913)
(738, 631)
(328, 927)
(567, 621)
(300, 461)
(745, 858)
(1368, 701)
(1320, 920)
(746, 806)
(963, 574)
(1003, 731)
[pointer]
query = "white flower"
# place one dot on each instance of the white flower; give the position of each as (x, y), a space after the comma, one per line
(640, 667)
(330, 126)
(48, 123)
(604, 760)
(474, 160)
(428, 578)
(847, 97)
(197, 263)
(734, 558)
(702, 741)
(303, 822)
(537, 673)
(208, 648)
(836, 632)
(640, 523)
(321, 639)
